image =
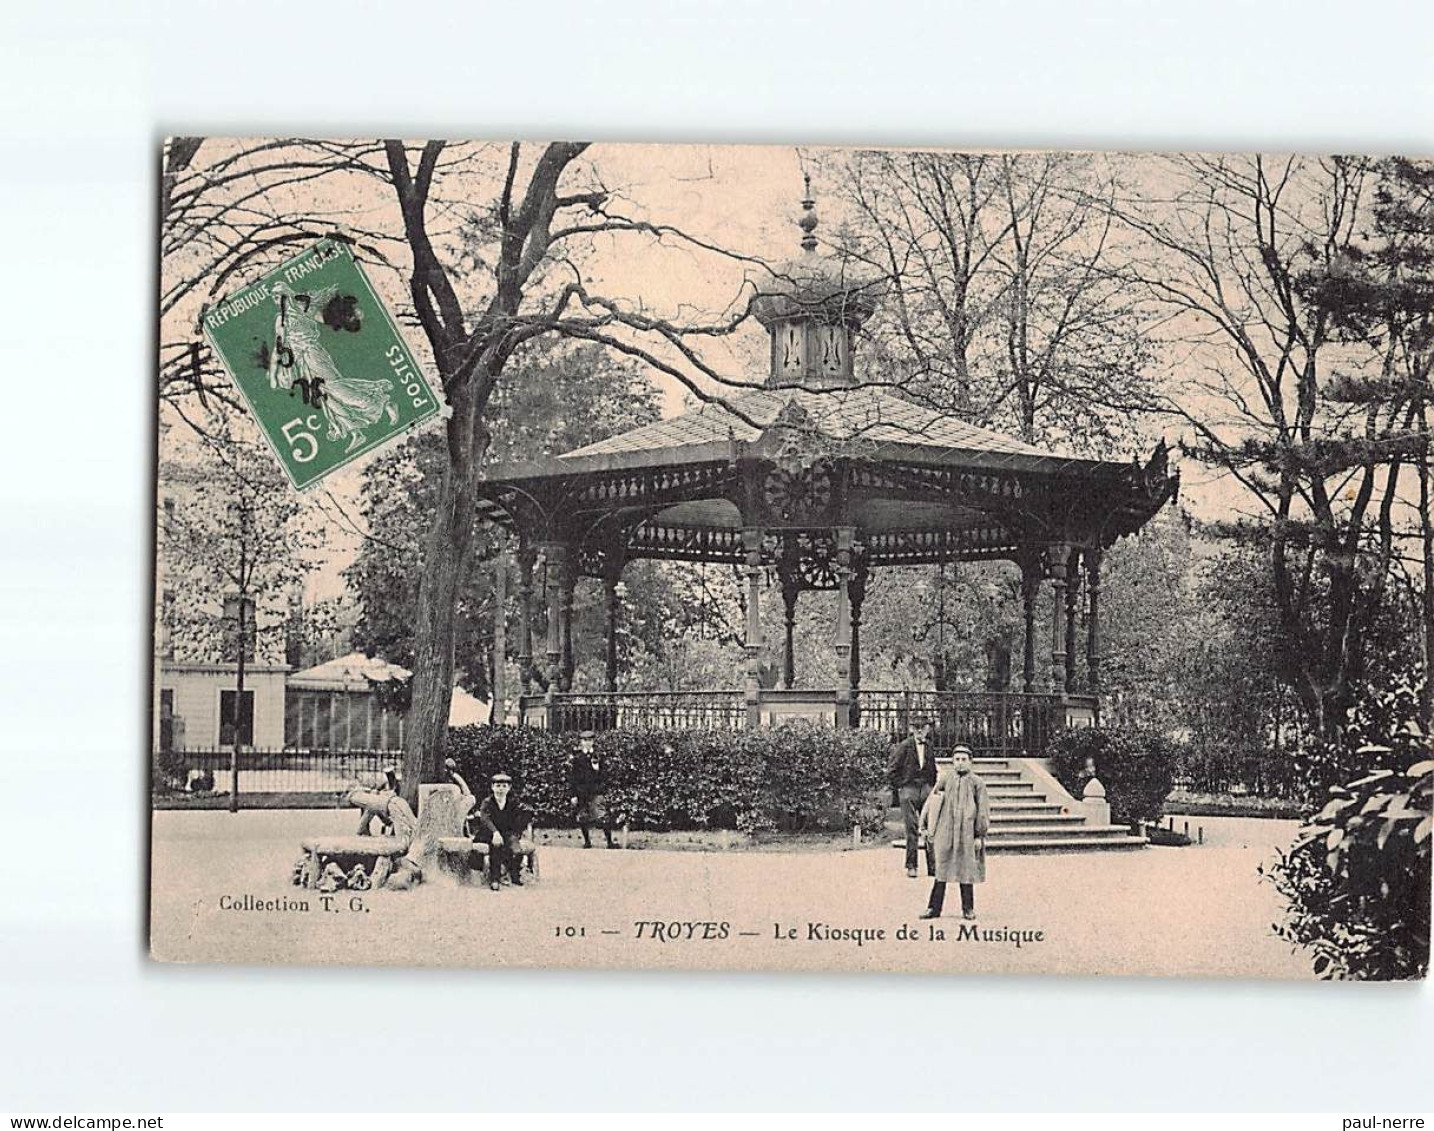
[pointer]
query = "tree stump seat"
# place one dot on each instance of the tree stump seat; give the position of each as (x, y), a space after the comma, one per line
(382, 857)
(355, 845)
(455, 856)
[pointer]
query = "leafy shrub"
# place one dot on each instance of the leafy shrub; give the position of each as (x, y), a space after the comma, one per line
(793, 778)
(1356, 881)
(1381, 733)
(1137, 768)
(168, 770)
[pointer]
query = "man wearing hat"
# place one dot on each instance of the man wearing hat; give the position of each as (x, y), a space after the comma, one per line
(502, 821)
(587, 782)
(912, 773)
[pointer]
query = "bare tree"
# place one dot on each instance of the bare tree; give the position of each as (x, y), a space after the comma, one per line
(490, 242)
(1231, 248)
(1003, 308)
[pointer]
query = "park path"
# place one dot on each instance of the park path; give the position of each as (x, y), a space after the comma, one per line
(1156, 911)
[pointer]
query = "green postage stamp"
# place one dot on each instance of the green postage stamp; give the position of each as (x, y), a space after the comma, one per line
(320, 362)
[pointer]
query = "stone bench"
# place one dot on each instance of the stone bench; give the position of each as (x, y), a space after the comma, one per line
(455, 857)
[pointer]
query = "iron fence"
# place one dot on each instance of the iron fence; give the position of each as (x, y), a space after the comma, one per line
(993, 724)
(1271, 776)
(664, 710)
(205, 773)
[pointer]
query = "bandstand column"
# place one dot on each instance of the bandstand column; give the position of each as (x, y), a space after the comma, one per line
(555, 560)
(569, 584)
(1073, 561)
(1058, 558)
(857, 588)
(525, 617)
(791, 590)
(1030, 586)
(752, 543)
(843, 627)
(1092, 630)
(612, 574)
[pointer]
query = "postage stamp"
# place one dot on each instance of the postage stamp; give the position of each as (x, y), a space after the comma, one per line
(320, 362)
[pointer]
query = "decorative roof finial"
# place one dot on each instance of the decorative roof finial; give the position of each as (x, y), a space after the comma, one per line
(808, 222)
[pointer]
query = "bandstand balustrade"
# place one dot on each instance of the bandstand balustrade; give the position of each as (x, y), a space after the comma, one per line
(992, 724)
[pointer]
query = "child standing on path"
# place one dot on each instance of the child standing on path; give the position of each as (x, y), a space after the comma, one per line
(955, 819)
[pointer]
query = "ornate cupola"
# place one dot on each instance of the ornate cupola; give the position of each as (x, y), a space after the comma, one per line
(812, 306)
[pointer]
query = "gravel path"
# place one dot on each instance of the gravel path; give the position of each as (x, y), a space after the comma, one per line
(1158, 911)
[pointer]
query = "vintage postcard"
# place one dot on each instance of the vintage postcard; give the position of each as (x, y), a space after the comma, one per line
(771, 558)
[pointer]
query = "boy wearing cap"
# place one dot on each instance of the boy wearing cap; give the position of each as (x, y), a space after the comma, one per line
(956, 818)
(587, 782)
(502, 821)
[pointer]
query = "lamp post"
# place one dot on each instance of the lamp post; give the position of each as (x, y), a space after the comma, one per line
(245, 510)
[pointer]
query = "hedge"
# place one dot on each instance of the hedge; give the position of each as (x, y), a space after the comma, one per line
(1137, 768)
(791, 778)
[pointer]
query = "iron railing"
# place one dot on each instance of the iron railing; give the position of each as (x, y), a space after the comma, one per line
(991, 723)
(665, 710)
(191, 772)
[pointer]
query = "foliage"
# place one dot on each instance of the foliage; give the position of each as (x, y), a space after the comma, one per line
(1146, 606)
(1356, 881)
(1383, 731)
(556, 398)
(1135, 766)
(232, 530)
(792, 778)
(168, 770)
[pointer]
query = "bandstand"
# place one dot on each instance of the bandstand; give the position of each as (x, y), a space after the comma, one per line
(819, 477)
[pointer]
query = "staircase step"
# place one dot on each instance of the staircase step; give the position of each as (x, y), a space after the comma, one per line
(998, 775)
(1003, 788)
(1051, 829)
(1008, 819)
(1025, 805)
(1066, 844)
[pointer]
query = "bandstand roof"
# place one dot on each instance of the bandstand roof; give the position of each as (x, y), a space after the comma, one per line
(817, 456)
(917, 485)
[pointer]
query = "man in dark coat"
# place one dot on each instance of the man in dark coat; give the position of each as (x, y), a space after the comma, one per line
(912, 773)
(502, 821)
(587, 782)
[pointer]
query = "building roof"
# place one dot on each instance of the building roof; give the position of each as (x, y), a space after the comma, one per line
(872, 420)
(346, 673)
(355, 672)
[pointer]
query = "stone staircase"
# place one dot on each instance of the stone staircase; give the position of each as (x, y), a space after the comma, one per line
(1031, 814)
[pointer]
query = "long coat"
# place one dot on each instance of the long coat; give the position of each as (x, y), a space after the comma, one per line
(955, 815)
(905, 768)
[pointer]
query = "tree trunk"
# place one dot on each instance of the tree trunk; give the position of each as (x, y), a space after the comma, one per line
(445, 562)
(1426, 598)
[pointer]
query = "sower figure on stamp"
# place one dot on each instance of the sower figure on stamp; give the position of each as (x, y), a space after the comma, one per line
(588, 782)
(956, 818)
(912, 772)
(502, 821)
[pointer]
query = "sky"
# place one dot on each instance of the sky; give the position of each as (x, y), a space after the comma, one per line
(746, 199)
